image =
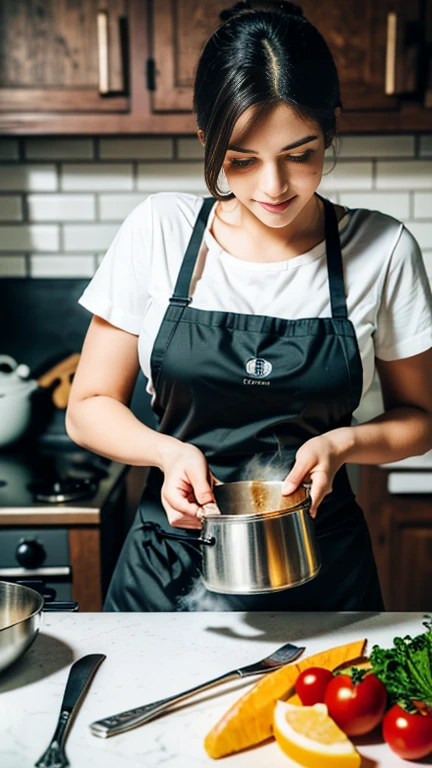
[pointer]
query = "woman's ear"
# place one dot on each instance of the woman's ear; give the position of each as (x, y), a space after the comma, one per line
(201, 136)
(331, 134)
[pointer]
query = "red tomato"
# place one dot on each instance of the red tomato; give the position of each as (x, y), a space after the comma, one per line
(356, 708)
(311, 685)
(408, 735)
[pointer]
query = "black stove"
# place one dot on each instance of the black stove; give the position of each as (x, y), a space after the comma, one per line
(61, 474)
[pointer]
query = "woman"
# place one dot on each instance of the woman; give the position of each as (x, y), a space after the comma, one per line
(281, 306)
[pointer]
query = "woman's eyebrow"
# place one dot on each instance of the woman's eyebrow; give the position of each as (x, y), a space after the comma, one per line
(295, 144)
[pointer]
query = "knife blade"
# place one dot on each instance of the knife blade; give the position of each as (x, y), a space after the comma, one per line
(80, 676)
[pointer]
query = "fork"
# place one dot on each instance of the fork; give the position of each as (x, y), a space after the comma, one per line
(124, 721)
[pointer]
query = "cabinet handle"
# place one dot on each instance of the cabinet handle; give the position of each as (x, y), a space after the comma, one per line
(102, 28)
(390, 73)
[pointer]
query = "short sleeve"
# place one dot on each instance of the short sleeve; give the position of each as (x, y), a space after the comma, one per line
(404, 319)
(118, 292)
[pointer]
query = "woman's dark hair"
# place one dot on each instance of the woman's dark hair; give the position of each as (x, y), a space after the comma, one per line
(263, 54)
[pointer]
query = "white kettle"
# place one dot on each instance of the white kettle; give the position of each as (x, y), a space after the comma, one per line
(15, 400)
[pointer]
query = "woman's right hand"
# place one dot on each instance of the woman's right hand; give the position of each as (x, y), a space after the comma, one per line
(187, 485)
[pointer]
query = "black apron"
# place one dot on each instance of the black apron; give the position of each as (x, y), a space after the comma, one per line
(242, 387)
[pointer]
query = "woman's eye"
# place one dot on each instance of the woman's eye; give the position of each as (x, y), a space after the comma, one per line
(241, 163)
(300, 158)
(293, 158)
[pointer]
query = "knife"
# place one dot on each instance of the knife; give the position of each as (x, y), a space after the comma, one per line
(80, 676)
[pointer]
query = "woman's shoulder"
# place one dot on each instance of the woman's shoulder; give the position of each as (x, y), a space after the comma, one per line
(371, 222)
(374, 242)
(166, 209)
(366, 230)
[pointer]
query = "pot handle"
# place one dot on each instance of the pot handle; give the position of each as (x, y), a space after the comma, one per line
(9, 361)
(179, 536)
(49, 596)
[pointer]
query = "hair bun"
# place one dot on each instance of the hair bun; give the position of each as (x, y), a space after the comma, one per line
(275, 6)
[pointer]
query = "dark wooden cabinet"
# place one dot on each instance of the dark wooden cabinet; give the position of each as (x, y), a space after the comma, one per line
(63, 57)
(401, 530)
(127, 66)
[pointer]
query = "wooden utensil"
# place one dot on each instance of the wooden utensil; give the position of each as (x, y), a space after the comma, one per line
(63, 374)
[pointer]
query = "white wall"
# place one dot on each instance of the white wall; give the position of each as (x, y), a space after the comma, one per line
(62, 200)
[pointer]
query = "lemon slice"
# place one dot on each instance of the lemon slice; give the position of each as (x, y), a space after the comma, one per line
(310, 737)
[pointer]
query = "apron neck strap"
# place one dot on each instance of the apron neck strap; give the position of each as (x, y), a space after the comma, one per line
(334, 261)
(333, 248)
(181, 290)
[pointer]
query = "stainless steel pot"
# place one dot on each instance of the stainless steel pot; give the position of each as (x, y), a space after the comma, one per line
(261, 542)
(20, 617)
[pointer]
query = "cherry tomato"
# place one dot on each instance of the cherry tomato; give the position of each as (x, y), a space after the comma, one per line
(356, 707)
(408, 735)
(311, 685)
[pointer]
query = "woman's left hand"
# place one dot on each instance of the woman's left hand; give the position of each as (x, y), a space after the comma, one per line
(317, 462)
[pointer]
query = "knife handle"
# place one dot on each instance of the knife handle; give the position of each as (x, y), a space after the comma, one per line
(80, 676)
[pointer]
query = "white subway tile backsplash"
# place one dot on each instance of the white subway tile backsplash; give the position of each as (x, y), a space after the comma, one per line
(88, 237)
(426, 145)
(410, 174)
(136, 149)
(9, 149)
(62, 265)
(114, 207)
(376, 146)
(13, 266)
(29, 237)
(96, 177)
(422, 232)
(59, 149)
(395, 204)
(171, 177)
(347, 175)
(28, 178)
(10, 208)
(189, 149)
(423, 205)
(61, 207)
(96, 195)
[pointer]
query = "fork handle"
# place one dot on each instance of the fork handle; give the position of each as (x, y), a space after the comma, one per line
(124, 721)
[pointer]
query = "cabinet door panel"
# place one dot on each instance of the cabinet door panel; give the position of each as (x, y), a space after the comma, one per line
(355, 32)
(413, 560)
(50, 55)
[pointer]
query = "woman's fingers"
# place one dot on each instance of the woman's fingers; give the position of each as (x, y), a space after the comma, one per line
(320, 487)
(200, 484)
(295, 477)
(179, 519)
(184, 496)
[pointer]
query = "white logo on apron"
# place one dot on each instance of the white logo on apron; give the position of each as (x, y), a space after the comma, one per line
(258, 367)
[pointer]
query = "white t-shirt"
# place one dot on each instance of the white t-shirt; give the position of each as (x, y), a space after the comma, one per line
(388, 294)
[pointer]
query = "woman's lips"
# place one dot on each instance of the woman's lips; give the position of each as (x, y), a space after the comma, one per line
(276, 208)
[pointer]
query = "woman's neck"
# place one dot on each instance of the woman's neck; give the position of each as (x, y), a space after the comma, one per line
(235, 224)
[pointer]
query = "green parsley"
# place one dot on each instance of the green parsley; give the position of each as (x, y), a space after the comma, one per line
(406, 669)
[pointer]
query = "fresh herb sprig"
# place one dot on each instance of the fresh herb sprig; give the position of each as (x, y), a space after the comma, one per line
(406, 669)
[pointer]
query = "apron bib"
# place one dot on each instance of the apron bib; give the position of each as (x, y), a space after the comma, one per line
(252, 387)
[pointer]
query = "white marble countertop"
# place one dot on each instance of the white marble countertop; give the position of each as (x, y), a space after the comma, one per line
(153, 655)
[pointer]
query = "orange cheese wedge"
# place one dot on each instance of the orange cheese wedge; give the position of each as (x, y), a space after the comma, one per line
(249, 720)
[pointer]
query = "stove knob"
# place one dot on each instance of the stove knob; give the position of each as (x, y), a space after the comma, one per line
(30, 554)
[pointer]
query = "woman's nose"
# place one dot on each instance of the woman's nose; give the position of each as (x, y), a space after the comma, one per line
(273, 182)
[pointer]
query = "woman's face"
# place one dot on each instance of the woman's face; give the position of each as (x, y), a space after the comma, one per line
(281, 158)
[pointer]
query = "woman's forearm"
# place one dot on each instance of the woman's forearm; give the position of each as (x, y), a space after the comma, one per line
(392, 436)
(109, 428)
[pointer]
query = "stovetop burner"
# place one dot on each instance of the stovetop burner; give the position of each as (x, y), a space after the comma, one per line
(55, 476)
(63, 490)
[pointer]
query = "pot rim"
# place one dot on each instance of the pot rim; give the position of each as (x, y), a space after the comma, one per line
(29, 616)
(255, 516)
